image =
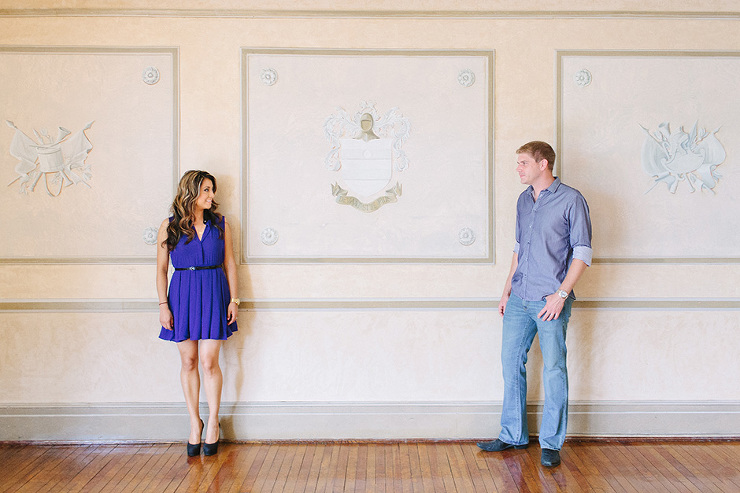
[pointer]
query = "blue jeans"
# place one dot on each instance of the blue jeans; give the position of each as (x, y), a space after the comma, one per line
(520, 326)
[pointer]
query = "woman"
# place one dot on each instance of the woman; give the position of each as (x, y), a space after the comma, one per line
(201, 308)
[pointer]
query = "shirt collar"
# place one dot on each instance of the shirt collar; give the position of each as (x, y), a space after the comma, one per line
(554, 185)
(551, 189)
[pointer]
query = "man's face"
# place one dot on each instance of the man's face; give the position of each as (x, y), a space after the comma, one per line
(529, 170)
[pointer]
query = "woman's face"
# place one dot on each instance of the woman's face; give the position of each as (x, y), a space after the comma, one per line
(205, 197)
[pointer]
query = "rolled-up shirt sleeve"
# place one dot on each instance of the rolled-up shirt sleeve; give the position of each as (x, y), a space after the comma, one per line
(580, 230)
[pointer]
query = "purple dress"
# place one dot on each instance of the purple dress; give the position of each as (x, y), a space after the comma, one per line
(199, 299)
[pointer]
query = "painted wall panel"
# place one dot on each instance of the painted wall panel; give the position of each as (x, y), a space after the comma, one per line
(316, 188)
(100, 207)
(653, 139)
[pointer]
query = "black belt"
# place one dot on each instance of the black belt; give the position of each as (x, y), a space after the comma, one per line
(204, 267)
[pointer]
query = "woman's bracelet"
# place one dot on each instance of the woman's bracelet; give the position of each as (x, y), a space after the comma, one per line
(163, 302)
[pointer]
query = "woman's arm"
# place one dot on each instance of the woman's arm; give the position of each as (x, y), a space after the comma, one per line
(163, 263)
(231, 273)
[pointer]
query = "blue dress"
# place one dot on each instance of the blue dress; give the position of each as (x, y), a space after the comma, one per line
(199, 299)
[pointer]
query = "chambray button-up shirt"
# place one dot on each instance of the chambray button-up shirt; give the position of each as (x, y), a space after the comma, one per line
(550, 233)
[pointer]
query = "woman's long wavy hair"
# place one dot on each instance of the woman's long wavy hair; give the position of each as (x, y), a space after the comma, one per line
(183, 209)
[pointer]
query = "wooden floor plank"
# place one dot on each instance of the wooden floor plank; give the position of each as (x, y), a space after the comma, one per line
(608, 466)
(350, 471)
(582, 457)
(309, 485)
(35, 479)
(670, 473)
(708, 461)
(401, 451)
(251, 470)
(16, 460)
(67, 469)
(328, 462)
(150, 461)
(620, 476)
(417, 478)
(497, 469)
(289, 471)
(477, 468)
(641, 453)
(361, 467)
(443, 467)
(370, 471)
(380, 469)
(175, 466)
(731, 468)
(268, 473)
(339, 475)
(18, 475)
(460, 471)
(668, 454)
(97, 459)
(628, 475)
(425, 468)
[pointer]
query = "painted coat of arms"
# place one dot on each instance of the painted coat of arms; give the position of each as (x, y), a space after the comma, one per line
(675, 156)
(59, 160)
(366, 150)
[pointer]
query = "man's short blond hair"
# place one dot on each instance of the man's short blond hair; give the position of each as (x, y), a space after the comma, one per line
(539, 151)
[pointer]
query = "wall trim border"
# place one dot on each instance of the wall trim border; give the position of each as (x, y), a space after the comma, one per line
(372, 14)
(123, 305)
(360, 420)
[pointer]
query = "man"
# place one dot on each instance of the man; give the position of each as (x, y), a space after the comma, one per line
(552, 250)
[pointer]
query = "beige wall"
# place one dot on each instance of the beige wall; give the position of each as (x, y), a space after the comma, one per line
(647, 339)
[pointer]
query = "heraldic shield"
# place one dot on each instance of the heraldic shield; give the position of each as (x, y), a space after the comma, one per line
(367, 167)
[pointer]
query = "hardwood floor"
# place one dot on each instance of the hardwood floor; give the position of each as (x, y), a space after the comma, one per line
(608, 466)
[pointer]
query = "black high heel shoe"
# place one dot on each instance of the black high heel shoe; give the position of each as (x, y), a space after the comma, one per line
(194, 450)
(212, 448)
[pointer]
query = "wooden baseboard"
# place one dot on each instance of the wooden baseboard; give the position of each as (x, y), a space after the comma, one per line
(395, 421)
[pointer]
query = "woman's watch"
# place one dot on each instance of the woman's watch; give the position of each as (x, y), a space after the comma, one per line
(235, 300)
(562, 293)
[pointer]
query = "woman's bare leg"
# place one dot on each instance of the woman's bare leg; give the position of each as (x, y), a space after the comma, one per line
(190, 380)
(213, 381)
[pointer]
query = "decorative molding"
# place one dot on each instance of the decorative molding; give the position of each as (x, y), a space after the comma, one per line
(79, 260)
(61, 159)
(360, 420)
(582, 78)
(466, 236)
(269, 76)
(150, 75)
(363, 14)
(126, 305)
(667, 260)
(150, 236)
(671, 157)
(269, 236)
(466, 78)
